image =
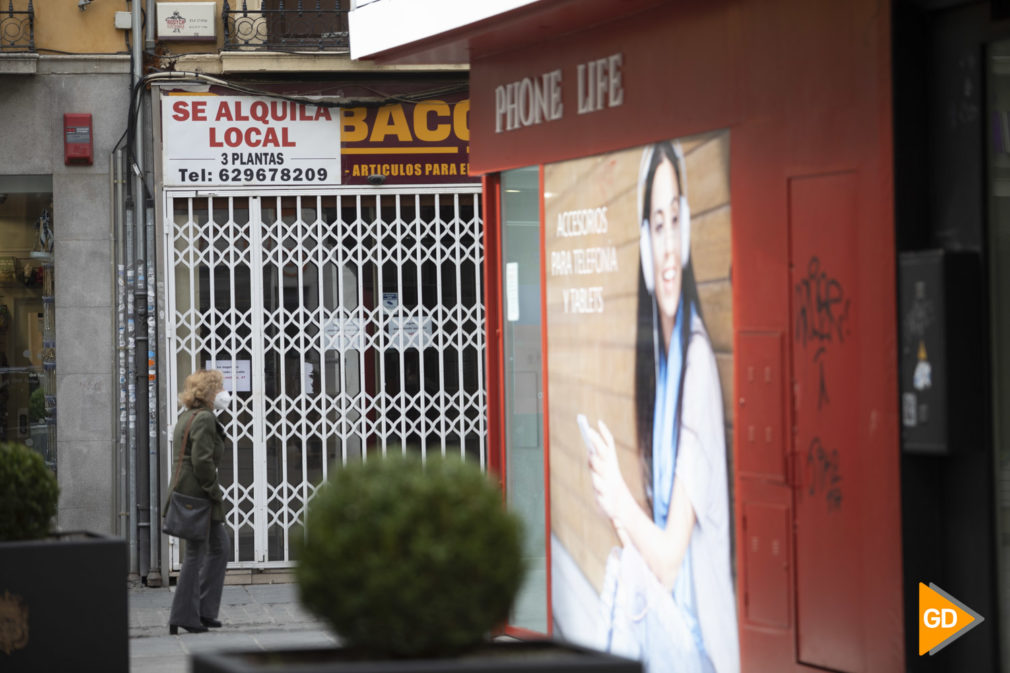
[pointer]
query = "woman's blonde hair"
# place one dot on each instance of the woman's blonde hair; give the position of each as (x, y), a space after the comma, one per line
(200, 388)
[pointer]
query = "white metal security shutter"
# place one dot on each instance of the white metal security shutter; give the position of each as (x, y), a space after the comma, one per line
(353, 325)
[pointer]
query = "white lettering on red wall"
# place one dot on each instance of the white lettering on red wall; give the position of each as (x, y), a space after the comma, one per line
(600, 84)
(535, 100)
(528, 101)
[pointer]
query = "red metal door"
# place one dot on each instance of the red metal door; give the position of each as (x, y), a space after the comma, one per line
(824, 267)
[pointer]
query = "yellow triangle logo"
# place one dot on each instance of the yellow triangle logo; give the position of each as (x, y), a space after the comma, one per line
(942, 619)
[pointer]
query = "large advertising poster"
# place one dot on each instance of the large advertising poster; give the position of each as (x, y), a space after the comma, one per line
(640, 334)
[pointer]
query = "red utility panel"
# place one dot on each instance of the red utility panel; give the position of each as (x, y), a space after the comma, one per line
(78, 145)
(760, 409)
(766, 583)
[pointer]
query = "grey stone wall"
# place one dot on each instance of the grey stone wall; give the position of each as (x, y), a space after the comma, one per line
(87, 382)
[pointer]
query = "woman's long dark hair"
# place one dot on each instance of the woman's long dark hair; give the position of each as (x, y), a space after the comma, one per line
(649, 339)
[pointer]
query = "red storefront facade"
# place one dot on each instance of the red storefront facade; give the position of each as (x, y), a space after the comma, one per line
(783, 111)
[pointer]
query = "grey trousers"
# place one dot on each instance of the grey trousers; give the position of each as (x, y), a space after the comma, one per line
(201, 580)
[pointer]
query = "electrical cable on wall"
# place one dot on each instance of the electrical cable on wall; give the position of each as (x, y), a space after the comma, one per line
(320, 101)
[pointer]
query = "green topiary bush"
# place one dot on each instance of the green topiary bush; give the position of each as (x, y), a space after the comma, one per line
(36, 406)
(406, 560)
(28, 493)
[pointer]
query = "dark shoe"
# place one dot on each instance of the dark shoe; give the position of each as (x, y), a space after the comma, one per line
(212, 623)
(174, 629)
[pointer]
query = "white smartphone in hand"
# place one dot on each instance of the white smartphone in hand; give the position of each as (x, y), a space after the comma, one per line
(584, 429)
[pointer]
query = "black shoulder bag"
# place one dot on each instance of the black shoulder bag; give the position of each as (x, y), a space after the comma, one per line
(186, 516)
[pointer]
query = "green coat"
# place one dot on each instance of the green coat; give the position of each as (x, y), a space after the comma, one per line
(198, 475)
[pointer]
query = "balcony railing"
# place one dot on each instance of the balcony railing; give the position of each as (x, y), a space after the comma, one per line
(285, 25)
(17, 26)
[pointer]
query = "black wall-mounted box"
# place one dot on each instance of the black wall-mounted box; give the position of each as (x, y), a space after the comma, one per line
(943, 364)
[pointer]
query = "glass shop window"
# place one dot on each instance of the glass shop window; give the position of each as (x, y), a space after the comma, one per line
(27, 334)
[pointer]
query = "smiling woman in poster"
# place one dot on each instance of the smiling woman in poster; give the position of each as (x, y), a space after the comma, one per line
(668, 591)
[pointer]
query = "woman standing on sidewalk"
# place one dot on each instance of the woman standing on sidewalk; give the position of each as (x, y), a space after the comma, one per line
(201, 581)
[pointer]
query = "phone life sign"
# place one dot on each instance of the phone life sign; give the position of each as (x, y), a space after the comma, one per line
(247, 141)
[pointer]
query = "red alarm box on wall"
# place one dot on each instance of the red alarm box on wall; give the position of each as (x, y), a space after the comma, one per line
(78, 148)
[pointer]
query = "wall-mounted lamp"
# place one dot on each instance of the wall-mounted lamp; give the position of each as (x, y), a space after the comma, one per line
(83, 4)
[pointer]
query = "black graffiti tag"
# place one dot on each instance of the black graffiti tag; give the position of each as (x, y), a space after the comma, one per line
(822, 307)
(824, 468)
(822, 314)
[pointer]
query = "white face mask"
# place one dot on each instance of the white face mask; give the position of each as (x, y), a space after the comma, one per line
(222, 400)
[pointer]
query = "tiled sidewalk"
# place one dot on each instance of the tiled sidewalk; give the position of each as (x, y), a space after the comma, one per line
(254, 616)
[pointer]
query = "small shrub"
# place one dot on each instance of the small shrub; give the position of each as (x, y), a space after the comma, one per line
(28, 493)
(36, 406)
(409, 560)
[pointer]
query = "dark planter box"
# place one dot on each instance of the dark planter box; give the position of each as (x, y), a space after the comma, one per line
(544, 656)
(63, 604)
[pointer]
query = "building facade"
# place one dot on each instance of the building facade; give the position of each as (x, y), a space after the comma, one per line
(250, 200)
(57, 340)
(828, 257)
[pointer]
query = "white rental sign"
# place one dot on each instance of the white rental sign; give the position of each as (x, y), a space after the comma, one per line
(237, 374)
(247, 141)
(344, 333)
(410, 332)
